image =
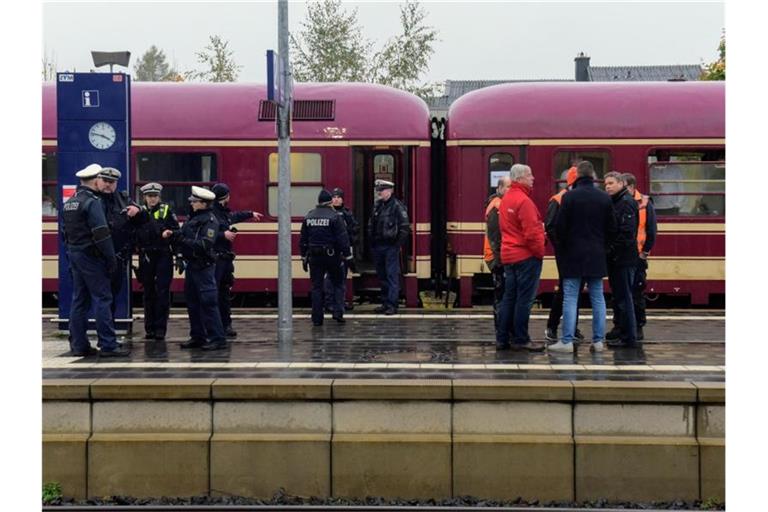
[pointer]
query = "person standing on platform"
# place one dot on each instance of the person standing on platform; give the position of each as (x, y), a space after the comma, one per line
(646, 238)
(123, 217)
(337, 197)
(553, 322)
(155, 271)
(91, 261)
(585, 225)
(225, 257)
(195, 241)
(522, 252)
(492, 244)
(388, 230)
(622, 259)
(324, 246)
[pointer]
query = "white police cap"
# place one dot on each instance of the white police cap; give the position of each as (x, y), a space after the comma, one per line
(151, 188)
(89, 172)
(109, 173)
(382, 184)
(201, 194)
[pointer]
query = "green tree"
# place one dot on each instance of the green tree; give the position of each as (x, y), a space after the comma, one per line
(405, 58)
(330, 46)
(716, 70)
(152, 67)
(219, 61)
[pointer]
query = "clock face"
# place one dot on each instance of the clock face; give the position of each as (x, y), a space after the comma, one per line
(102, 135)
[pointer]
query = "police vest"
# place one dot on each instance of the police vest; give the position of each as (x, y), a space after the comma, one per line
(161, 213)
(487, 250)
(642, 204)
(320, 227)
(558, 198)
(76, 229)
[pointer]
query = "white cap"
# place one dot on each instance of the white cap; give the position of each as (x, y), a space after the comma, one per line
(109, 173)
(89, 172)
(382, 184)
(151, 188)
(202, 194)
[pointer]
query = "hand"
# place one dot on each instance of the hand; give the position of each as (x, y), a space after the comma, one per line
(229, 235)
(305, 264)
(257, 215)
(167, 233)
(643, 255)
(131, 210)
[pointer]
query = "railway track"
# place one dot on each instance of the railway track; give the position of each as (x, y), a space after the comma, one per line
(324, 508)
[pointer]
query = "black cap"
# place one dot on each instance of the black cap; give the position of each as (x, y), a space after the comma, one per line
(337, 192)
(324, 197)
(221, 190)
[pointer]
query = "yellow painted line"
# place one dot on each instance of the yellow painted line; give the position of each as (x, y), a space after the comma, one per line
(582, 142)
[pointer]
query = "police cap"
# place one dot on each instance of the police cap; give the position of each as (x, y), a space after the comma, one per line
(337, 192)
(151, 188)
(383, 184)
(109, 173)
(89, 172)
(201, 194)
(324, 197)
(220, 190)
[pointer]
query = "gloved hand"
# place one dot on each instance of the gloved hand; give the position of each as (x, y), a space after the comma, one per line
(305, 264)
(351, 265)
(180, 265)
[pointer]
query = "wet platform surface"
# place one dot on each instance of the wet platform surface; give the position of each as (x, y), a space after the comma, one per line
(678, 347)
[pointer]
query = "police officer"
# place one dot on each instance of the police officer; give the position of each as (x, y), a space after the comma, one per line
(155, 270)
(388, 229)
(123, 216)
(195, 241)
(225, 267)
(92, 259)
(337, 202)
(324, 246)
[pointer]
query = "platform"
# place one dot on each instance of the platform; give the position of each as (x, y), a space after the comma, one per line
(679, 346)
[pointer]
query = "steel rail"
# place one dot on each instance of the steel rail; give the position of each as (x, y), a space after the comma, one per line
(329, 508)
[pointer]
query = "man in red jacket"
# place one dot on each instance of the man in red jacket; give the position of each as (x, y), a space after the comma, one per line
(522, 251)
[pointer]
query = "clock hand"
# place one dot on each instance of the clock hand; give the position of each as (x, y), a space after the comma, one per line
(103, 136)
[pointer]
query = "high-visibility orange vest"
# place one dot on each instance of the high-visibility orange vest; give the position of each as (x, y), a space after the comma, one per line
(487, 251)
(642, 204)
(559, 196)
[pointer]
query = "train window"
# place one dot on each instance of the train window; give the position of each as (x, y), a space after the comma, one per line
(306, 182)
(50, 188)
(384, 167)
(499, 164)
(565, 159)
(176, 172)
(687, 182)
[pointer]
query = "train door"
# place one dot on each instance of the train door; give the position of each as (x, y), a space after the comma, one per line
(499, 160)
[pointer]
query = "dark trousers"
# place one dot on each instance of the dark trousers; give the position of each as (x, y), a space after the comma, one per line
(521, 281)
(116, 279)
(621, 279)
(156, 271)
(638, 295)
(556, 312)
(319, 266)
(225, 279)
(497, 275)
(387, 260)
(202, 304)
(331, 292)
(90, 287)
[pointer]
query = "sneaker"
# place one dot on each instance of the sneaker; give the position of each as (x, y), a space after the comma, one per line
(193, 343)
(560, 347)
(613, 334)
(597, 346)
(550, 334)
(640, 335)
(119, 351)
(230, 332)
(215, 345)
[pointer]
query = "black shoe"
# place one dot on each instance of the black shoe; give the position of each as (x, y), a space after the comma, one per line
(390, 311)
(230, 332)
(160, 337)
(349, 307)
(317, 324)
(328, 309)
(503, 346)
(613, 334)
(339, 319)
(578, 335)
(640, 335)
(530, 347)
(120, 351)
(193, 343)
(90, 351)
(215, 345)
(550, 334)
(380, 309)
(150, 336)
(623, 344)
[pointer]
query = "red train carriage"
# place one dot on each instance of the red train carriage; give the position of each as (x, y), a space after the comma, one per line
(343, 135)
(670, 135)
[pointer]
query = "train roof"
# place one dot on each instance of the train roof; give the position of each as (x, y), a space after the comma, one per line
(588, 110)
(230, 111)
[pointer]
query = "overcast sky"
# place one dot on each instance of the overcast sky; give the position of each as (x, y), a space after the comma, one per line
(501, 40)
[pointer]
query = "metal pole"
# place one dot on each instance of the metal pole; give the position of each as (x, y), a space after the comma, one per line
(285, 299)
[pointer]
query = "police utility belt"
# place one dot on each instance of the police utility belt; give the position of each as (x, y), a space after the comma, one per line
(320, 250)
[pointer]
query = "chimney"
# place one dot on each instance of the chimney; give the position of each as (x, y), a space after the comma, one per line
(582, 64)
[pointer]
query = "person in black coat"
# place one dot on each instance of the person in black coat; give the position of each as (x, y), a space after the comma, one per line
(585, 226)
(622, 258)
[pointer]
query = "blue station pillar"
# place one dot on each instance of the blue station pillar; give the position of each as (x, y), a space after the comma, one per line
(93, 126)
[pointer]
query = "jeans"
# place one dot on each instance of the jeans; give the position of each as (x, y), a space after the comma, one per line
(621, 279)
(90, 286)
(387, 260)
(571, 288)
(202, 304)
(553, 322)
(521, 281)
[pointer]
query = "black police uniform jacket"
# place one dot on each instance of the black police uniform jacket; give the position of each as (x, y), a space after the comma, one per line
(353, 227)
(196, 238)
(85, 226)
(622, 251)
(585, 225)
(226, 218)
(389, 223)
(323, 230)
(149, 235)
(122, 227)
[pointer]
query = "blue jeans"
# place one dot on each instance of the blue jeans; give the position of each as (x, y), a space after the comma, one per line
(202, 304)
(387, 260)
(90, 286)
(521, 281)
(571, 287)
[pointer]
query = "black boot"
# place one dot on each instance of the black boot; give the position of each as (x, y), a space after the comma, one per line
(193, 343)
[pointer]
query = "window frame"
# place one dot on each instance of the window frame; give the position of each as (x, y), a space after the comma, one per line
(303, 184)
(55, 182)
(579, 149)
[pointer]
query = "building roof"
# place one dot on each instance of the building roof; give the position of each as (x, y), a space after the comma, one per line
(644, 73)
